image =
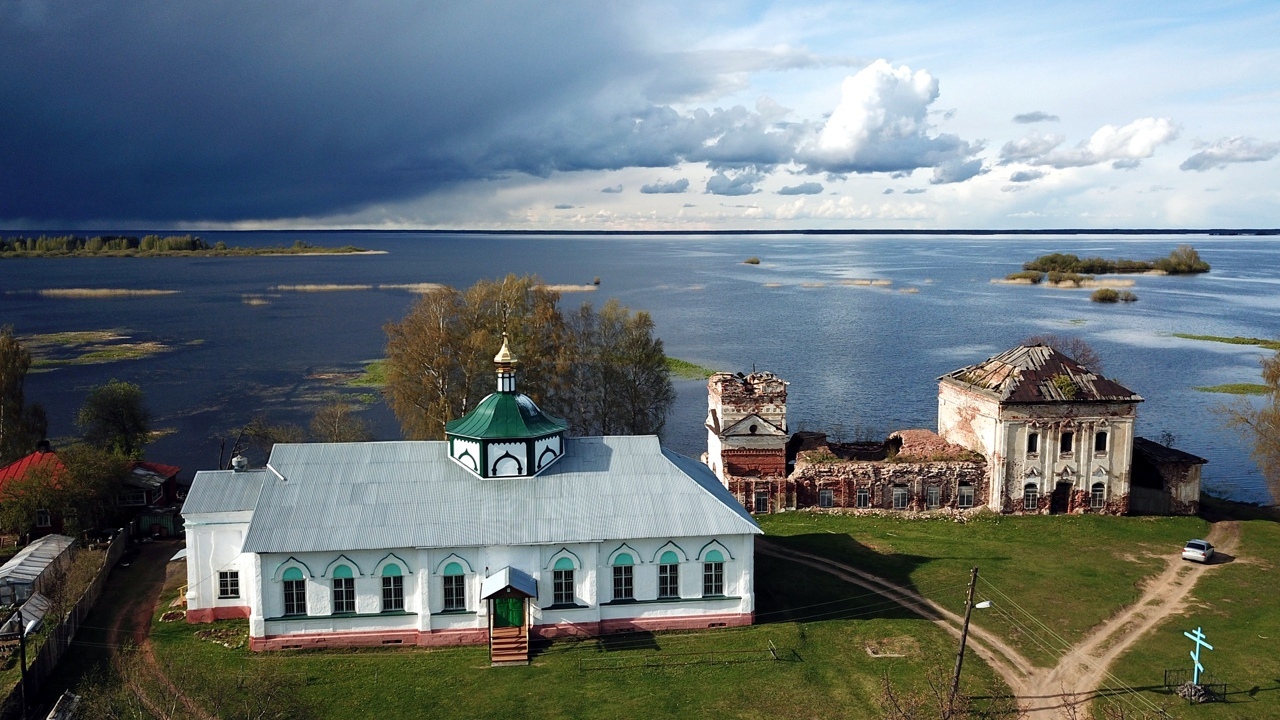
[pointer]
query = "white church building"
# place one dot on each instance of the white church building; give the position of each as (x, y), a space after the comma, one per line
(507, 527)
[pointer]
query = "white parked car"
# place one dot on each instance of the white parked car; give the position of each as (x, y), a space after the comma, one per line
(1198, 551)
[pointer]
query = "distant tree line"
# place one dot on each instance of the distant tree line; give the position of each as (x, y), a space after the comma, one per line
(1182, 261)
(129, 245)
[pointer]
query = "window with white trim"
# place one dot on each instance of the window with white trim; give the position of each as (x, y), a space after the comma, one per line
(713, 574)
(1098, 495)
(455, 588)
(964, 495)
(900, 497)
(43, 519)
(228, 584)
(392, 588)
(864, 497)
(562, 582)
(933, 497)
(826, 498)
(668, 576)
(1030, 497)
(344, 590)
(762, 501)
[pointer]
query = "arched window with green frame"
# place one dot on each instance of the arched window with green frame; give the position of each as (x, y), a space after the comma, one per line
(668, 576)
(562, 582)
(344, 590)
(295, 592)
(713, 574)
(455, 588)
(623, 577)
(392, 588)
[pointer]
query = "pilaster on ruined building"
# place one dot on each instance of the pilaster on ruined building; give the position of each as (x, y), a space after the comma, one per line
(747, 425)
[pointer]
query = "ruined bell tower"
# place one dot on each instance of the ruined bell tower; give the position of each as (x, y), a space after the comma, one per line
(747, 437)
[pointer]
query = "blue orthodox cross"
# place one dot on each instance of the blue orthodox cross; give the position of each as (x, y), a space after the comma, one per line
(1198, 639)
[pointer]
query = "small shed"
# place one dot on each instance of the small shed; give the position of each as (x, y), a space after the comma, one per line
(30, 570)
(1166, 481)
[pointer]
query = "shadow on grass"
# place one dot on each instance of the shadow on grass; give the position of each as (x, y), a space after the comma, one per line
(790, 592)
(1215, 509)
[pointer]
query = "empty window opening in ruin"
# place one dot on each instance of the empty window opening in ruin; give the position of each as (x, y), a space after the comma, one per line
(899, 497)
(933, 497)
(1067, 443)
(1100, 442)
(1033, 443)
(762, 501)
(965, 495)
(826, 498)
(1098, 497)
(864, 497)
(1030, 497)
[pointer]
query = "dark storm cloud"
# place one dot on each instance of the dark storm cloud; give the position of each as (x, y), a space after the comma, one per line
(809, 188)
(1035, 117)
(219, 112)
(666, 188)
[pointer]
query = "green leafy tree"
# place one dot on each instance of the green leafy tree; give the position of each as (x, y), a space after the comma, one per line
(115, 418)
(80, 488)
(21, 426)
(1261, 425)
(602, 371)
(439, 357)
(620, 381)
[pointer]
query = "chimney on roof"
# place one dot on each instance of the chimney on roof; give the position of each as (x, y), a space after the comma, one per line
(239, 463)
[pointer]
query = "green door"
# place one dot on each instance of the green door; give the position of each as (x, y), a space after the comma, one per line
(508, 612)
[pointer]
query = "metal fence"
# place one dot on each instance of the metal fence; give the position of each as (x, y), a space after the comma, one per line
(1216, 690)
(59, 638)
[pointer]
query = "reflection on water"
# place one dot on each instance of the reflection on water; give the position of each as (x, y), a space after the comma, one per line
(857, 357)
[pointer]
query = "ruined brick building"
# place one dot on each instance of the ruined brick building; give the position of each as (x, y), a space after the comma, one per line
(1027, 431)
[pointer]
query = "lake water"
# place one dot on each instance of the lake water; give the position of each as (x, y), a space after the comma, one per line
(861, 359)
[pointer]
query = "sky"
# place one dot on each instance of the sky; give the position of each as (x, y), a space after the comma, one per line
(638, 115)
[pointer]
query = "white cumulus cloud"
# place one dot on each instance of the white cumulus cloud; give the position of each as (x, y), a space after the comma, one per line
(881, 125)
(1124, 147)
(1231, 150)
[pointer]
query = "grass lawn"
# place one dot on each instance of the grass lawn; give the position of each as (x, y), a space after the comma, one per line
(1238, 606)
(820, 625)
(1070, 571)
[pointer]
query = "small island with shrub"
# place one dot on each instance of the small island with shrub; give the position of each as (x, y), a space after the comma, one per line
(149, 246)
(1110, 295)
(1184, 260)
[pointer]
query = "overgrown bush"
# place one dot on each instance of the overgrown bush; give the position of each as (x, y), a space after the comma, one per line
(1105, 295)
(1035, 276)
(1126, 296)
(753, 260)
(1069, 278)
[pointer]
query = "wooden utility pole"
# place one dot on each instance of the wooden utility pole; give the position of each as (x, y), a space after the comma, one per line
(964, 636)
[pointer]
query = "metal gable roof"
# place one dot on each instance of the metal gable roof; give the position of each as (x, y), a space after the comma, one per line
(1037, 374)
(353, 496)
(215, 491)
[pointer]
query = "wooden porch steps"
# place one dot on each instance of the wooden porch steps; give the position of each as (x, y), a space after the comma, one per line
(509, 646)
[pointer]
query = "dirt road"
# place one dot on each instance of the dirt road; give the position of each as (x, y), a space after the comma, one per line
(1063, 691)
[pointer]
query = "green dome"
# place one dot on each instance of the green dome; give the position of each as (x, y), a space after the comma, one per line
(505, 415)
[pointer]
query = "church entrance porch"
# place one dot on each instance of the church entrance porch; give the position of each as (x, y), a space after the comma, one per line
(508, 592)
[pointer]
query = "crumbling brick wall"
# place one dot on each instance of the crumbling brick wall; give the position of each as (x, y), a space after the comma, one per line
(880, 478)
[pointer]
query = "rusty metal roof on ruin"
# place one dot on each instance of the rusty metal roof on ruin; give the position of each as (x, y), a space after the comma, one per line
(1038, 374)
(1163, 454)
